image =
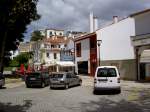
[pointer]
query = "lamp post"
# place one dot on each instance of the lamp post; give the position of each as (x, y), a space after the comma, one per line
(99, 44)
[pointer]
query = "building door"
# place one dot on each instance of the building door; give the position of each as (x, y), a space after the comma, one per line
(142, 71)
(83, 67)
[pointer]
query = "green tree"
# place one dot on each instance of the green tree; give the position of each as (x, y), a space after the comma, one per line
(36, 35)
(15, 15)
(22, 58)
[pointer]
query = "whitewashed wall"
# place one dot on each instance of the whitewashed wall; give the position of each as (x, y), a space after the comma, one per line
(51, 57)
(116, 43)
(53, 32)
(85, 52)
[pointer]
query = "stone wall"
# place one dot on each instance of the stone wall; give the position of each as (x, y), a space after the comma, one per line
(127, 68)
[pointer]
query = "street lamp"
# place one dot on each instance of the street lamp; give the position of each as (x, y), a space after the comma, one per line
(99, 44)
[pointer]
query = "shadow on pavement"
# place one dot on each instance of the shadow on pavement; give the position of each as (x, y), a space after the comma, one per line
(9, 107)
(3, 87)
(106, 92)
(62, 88)
(105, 105)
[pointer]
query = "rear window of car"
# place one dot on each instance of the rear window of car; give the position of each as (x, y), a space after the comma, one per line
(1, 75)
(106, 72)
(56, 76)
(33, 74)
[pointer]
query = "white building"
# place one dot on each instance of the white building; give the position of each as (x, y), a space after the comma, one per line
(116, 47)
(48, 51)
(54, 32)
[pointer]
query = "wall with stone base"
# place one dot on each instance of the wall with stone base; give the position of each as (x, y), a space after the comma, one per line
(127, 68)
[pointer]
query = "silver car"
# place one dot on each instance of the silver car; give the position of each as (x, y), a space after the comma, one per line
(2, 80)
(64, 79)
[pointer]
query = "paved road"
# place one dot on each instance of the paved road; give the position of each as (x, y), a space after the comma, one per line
(77, 99)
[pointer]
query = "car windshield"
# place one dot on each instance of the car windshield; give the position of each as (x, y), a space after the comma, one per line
(106, 72)
(57, 76)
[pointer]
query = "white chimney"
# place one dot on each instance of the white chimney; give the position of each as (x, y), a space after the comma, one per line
(115, 19)
(95, 23)
(91, 22)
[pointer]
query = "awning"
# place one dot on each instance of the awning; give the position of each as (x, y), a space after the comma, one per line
(65, 63)
(37, 63)
(47, 65)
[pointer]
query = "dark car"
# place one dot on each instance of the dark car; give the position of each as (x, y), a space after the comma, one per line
(37, 79)
(64, 79)
(2, 80)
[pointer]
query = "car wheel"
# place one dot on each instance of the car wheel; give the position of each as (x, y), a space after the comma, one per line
(66, 86)
(28, 86)
(43, 85)
(80, 83)
(94, 92)
(51, 87)
(118, 91)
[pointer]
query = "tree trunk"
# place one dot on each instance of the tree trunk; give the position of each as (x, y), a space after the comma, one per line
(2, 51)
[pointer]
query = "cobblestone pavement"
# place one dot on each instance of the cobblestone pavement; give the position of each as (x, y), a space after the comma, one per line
(135, 97)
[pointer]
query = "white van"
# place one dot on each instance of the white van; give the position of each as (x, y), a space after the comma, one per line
(107, 78)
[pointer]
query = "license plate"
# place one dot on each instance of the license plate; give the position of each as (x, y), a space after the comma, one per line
(101, 80)
(32, 78)
(55, 81)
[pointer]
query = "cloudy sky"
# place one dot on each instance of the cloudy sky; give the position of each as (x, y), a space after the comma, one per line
(74, 14)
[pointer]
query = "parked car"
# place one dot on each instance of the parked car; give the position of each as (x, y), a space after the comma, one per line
(64, 79)
(2, 80)
(37, 79)
(107, 78)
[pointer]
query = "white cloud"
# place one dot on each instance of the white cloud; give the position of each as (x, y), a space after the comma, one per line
(74, 14)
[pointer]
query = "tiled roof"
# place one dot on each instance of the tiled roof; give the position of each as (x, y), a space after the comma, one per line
(84, 36)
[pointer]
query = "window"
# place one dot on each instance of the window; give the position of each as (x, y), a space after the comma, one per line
(50, 33)
(78, 49)
(57, 76)
(55, 55)
(52, 46)
(106, 72)
(65, 45)
(47, 54)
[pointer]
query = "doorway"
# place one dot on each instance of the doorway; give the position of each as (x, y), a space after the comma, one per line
(83, 67)
(142, 71)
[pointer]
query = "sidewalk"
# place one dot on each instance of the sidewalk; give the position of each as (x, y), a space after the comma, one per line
(89, 81)
(135, 84)
(11, 83)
